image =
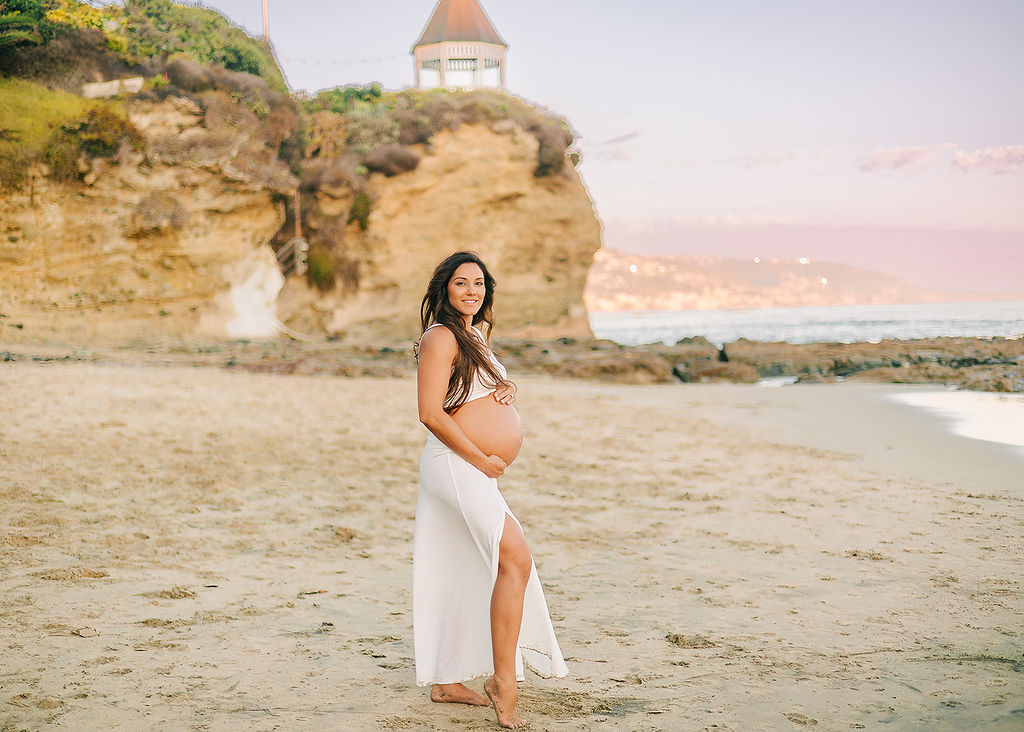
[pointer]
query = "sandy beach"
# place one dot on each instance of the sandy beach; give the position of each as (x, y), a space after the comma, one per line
(207, 549)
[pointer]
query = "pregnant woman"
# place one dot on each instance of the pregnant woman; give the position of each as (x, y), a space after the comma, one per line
(478, 605)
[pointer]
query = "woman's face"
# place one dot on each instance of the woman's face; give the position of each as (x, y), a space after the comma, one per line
(466, 289)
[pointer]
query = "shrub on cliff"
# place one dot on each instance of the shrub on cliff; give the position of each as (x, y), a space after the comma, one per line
(437, 107)
(392, 159)
(100, 133)
(28, 115)
(70, 42)
(320, 268)
(156, 213)
(343, 99)
(369, 127)
(553, 139)
(159, 29)
(414, 127)
(68, 45)
(326, 134)
(330, 173)
(70, 58)
(360, 211)
(369, 122)
(19, 24)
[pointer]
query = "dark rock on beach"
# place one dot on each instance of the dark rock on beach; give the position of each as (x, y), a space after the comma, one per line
(609, 361)
(987, 364)
(982, 364)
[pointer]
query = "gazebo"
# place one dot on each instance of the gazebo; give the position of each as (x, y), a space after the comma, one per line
(460, 38)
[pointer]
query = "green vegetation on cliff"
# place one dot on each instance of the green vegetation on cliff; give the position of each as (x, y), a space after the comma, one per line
(361, 119)
(51, 47)
(159, 29)
(65, 42)
(28, 117)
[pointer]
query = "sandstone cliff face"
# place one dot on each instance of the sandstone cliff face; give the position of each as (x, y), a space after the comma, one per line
(175, 241)
(147, 244)
(474, 188)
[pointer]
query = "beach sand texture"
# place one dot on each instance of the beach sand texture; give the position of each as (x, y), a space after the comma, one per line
(200, 548)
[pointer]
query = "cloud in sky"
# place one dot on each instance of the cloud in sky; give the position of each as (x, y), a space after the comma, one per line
(1008, 159)
(900, 158)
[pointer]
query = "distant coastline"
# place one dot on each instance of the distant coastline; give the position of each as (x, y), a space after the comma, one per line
(622, 281)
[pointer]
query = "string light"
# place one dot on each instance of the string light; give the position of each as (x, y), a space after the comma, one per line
(344, 62)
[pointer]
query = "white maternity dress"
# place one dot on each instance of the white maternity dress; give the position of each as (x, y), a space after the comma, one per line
(460, 516)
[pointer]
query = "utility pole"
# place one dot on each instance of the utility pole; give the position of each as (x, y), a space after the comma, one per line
(266, 23)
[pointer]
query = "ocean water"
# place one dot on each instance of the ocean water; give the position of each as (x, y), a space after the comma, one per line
(982, 416)
(840, 323)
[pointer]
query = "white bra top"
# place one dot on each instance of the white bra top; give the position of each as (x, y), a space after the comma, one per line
(478, 388)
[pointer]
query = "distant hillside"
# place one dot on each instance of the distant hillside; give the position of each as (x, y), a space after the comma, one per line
(623, 281)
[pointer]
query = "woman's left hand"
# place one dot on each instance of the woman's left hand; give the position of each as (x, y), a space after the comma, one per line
(505, 394)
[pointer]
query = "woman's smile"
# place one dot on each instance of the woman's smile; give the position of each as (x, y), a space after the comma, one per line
(465, 290)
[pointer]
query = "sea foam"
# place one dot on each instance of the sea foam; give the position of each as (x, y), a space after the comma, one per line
(978, 415)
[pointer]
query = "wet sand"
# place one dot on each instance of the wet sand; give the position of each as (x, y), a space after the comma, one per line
(198, 548)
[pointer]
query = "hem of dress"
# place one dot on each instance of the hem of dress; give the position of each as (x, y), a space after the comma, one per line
(546, 655)
(490, 672)
(462, 680)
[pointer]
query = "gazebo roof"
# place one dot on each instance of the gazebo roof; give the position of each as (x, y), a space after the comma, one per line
(459, 20)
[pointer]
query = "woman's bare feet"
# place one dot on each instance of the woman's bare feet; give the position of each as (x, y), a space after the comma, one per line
(503, 697)
(457, 694)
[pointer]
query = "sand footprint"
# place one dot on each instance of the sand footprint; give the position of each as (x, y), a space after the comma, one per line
(798, 718)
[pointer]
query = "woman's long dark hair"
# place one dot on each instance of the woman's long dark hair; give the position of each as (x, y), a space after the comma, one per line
(472, 355)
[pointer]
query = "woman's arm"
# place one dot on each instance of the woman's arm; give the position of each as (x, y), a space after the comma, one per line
(438, 349)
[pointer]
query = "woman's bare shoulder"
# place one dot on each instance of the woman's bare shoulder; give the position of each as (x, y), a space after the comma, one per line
(438, 337)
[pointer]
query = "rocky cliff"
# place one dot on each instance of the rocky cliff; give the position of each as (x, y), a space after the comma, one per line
(155, 241)
(174, 238)
(474, 188)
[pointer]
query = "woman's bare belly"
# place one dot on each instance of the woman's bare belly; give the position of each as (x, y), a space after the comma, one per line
(494, 428)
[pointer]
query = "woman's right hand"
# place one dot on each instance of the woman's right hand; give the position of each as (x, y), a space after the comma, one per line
(493, 466)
